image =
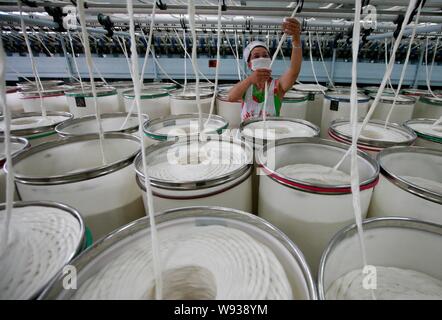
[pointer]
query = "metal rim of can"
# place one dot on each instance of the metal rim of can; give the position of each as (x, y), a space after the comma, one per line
(312, 187)
(429, 99)
(38, 132)
(93, 253)
(197, 184)
(385, 98)
(70, 210)
(404, 184)
(171, 120)
(22, 141)
(362, 98)
(179, 94)
(87, 93)
(368, 144)
(84, 175)
(369, 224)
(62, 128)
(55, 91)
(254, 140)
(421, 135)
(310, 88)
(146, 94)
(300, 96)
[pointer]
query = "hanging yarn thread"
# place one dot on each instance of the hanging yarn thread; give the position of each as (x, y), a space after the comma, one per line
(404, 68)
(354, 171)
(383, 82)
(7, 133)
(429, 73)
(75, 60)
(149, 196)
(33, 65)
(218, 62)
(275, 55)
(89, 62)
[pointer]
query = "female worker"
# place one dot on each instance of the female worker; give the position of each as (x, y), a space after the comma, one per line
(251, 90)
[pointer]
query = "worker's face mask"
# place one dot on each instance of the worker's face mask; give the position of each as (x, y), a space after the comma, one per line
(261, 63)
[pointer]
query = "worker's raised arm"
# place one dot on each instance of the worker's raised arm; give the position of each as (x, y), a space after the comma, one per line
(258, 78)
(292, 28)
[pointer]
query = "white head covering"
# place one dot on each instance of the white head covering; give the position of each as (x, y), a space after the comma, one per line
(252, 45)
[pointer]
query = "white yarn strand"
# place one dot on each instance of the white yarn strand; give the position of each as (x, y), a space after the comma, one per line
(75, 60)
(404, 67)
(218, 62)
(7, 138)
(354, 172)
(428, 73)
(275, 55)
(149, 196)
(191, 13)
(383, 82)
(89, 63)
(323, 62)
(33, 65)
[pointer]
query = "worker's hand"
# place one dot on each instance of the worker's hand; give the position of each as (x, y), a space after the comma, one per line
(292, 27)
(259, 77)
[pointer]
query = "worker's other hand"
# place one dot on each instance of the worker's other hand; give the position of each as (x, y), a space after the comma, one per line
(292, 27)
(259, 77)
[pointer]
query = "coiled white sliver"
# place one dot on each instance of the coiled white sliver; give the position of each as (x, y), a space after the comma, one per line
(32, 122)
(392, 284)
(376, 132)
(229, 262)
(273, 130)
(43, 239)
(197, 161)
(315, 173)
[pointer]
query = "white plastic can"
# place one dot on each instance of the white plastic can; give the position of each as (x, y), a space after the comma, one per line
(428, 107)
(405, 244)
(403, 108)
(121, 87)
(13, 100)
(153, 102)
(315, 101)
(428, 134)
(81, 102)
(72, 171)
(231, 111)
(375, 136)
(337, 106)
(53, 99)
(176, 127)
(34, 127)
(294, 105)
(184, 102)
(300, 193)
(119, 268)
(17, 145)
(410, 184)
(190, 172)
